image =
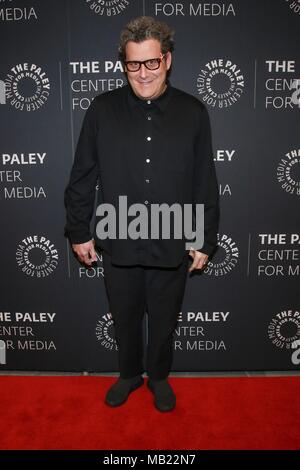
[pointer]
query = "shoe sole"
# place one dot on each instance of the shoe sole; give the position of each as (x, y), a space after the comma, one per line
(132, 389)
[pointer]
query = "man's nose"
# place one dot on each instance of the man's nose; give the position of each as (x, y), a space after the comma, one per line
(143, 71)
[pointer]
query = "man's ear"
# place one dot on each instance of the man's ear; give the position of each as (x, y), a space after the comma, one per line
(168, 59)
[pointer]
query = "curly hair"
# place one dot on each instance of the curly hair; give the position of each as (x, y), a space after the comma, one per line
(146, 27)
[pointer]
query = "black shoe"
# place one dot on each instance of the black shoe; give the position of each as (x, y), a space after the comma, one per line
(121, 389)
(164, 397)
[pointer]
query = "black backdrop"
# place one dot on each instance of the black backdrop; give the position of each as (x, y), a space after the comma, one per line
(242, 59)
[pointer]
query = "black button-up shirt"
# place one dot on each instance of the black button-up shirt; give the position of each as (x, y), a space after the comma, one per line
(152, 151)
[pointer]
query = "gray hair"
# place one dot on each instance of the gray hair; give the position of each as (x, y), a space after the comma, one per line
(146, 27)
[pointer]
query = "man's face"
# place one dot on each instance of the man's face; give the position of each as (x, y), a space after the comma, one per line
(147, 84)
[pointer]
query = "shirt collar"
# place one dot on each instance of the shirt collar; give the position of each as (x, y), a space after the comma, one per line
(161, 102)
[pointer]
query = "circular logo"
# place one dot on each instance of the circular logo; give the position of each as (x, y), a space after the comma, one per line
(288, 172)
(220, 83)
(108, 7)
(105, 332)
(294, 5)
(36, 256)
(27, 87)
(284, 329)
(226, 259)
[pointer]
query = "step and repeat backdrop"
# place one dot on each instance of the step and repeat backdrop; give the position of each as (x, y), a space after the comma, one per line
(240, 58)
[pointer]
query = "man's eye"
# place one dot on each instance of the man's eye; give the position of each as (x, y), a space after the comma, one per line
(152, 62)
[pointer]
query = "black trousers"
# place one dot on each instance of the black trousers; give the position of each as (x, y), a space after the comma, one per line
(132, 291)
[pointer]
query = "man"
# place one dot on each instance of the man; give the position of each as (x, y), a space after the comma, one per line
(151, 143)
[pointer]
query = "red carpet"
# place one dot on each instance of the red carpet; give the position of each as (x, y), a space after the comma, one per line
(212, 413)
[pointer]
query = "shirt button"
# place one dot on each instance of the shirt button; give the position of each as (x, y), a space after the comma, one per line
(147, 181)
(148, 138)
(149, 102)
(149, 118)
(148, 160)
(146, 202)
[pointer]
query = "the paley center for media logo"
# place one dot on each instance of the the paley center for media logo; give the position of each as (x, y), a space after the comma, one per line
(288, 172)
(284, 332)
(220, 83)
(107, 7)
(37, 256)
(294, 5)
(26, 87)
(105, 332)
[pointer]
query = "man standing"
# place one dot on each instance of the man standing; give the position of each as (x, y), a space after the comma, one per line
(151, 143)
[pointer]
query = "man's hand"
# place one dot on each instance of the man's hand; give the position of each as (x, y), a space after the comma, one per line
(85, 252)
(200, 259)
